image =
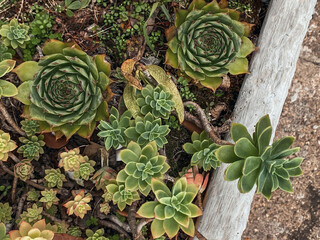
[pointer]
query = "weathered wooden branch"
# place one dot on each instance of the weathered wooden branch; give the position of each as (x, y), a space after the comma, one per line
(263, 92)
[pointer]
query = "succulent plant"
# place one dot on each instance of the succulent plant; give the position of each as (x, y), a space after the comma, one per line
(3, 232)
(79, 206)
(113, 131)
(122, 196)
(49, 197)
(5, 212)
(156, 101)
(86, 169)
(4, 52)
(207, 42)
(32, 214)
(254, 161)
(6, 145)
(71, 160)
(23, 170)
(148, 129)
(203, 150)
(33, 195)
(37, 231)
(105, 208)
(31, 127)
(32, 147)
(54, 178)
(14, 34)
(66, 90)
(74, 231)
(102, 176)
(141, 165)
(7, 89)
(97, 235)
(41, 24)
(107, 196)
(174, 210)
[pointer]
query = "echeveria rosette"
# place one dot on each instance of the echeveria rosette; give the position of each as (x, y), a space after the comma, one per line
(207, 42)
(14, 34)
(32, 147)
(156, 101)
(54, 178)
(66, 91)
(79, 206)
(174, 209)
(49, 197)
(253, 161)
(113, 131)
(86, 169)
(7, 89)
(30, 127)
(6, 145)
(32, 215)
(147, 129)
(38, 231)
(23, 170)
(142, 164)
(120, 195)
(5, 213)
(203, 150)
(71, 160)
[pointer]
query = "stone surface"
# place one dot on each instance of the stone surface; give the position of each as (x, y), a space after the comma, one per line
(297, 216)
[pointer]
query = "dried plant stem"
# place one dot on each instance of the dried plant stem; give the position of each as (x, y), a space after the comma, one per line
(8, 118)
(189, 117)
(199, 235)
(132, 218)
(142, 223)
(33, 184)
(13, 157)
(125, 214)
(116, 220)
(206, 124)
(14, 188)
(114, 227)
(168, 177)
(199, 200)
(54, 219)
(21, 204)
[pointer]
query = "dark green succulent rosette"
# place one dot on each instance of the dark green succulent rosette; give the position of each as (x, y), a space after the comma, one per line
(207, 42)
(254, 161)
(66, 90)
(148, 129)
(203, 151)
(141, 166)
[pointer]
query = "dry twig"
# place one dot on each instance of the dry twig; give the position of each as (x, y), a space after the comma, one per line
(114, 227)
(8, 118)
(116, 220)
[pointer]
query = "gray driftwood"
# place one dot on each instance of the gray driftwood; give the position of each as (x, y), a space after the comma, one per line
(263, 92)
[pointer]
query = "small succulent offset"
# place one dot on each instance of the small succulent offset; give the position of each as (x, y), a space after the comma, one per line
(203, 150)
(141, 166)
(102, 176)
(148, 129)
(74, 231)
(7, 89)
(79, 206)
(105, 208)
(31, 215)
(66, 90)
(3, 232)
(156, 101)
(113, 131)
(14, 34)
(33, 195)
(97, 235)
(49, 197)
(207, 42)
(23, 170)
(5, 212)
(32, 147)
(173, 210)
(54, 178)
(71, 160)
(6, 145)
(31, 127)
(254, 161)
(86, 169)
(122, 196)
(37, 231)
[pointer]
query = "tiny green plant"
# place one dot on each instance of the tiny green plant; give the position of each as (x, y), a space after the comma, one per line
(71, 5)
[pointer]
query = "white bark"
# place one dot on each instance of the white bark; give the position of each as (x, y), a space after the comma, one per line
(263, 92)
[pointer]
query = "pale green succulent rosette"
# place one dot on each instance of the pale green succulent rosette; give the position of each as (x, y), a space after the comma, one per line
(174, 209)
(14, 34)
(142, 164)
(254, 161)
(66, 90)
(207, 42)
(7, 89)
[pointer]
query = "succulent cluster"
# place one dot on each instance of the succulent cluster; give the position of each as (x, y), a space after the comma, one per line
(49, 197)
(32, 147)
(33, 195)
(37, 231)
(113, 131)
(5, 212)
(6, 145)
(23, 170)
(7, 89)
(31, 127)
(174, 209)
(32, 214)
(97, 235)
(79, 206)
(156, 101)
(203, 151)
(147, 129)
(254, 161)
(14, 34)
(207, 42)
(64, 90)
(54, 178)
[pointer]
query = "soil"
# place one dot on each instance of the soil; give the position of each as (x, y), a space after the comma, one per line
(297, 216)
